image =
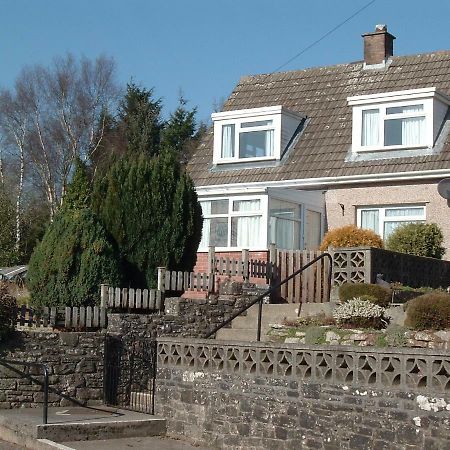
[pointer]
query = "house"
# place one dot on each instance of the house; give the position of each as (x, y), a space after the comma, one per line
(293, 154)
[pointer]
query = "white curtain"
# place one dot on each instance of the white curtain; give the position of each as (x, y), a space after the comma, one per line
(282, 233)
(247, 231)
(370, 220)
(413, 130)
(404, 212)
(370, 127)
(206, 209)
(228, 141)
(269, 143)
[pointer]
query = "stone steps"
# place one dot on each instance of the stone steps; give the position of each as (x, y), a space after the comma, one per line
(243, 328)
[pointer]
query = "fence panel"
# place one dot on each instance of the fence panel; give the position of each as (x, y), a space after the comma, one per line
(309, 286)
(132, 299)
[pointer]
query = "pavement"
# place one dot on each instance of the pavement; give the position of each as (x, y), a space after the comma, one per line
(154, 443)
(8, 446)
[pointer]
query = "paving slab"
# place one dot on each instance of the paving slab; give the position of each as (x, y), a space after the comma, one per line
(159, 443)
(77, 423)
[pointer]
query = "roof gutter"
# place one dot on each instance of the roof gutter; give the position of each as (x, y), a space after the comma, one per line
(324, 182)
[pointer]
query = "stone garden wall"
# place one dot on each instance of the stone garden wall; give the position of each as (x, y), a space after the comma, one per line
(75, 362)
(246, 396)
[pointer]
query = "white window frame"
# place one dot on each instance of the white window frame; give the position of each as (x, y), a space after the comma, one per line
(361, 103)
(237, 118)
(262, 212)
(382, 218)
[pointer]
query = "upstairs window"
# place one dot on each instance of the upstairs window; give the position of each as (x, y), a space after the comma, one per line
(253, 134)
(397, 120)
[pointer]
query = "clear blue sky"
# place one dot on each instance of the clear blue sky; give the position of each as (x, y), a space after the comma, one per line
(203, 47)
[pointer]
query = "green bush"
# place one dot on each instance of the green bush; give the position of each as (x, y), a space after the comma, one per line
(150, 207)
(8, 307)
(420, 239)
(315, 335)
(380, 295)
(429, 311)
(351, 236)
(395, 335)
(75, 255)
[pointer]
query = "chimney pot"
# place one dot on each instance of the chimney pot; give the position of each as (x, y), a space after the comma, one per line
(378, 45)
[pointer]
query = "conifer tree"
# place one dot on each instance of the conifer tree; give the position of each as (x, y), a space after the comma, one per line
(76, 253)
(8, 253)
(150, 207)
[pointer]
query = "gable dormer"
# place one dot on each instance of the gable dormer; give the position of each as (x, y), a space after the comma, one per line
(408, 120)
(256, 134)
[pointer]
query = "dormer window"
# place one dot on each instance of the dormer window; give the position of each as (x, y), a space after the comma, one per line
(256, 134)
(397, 120)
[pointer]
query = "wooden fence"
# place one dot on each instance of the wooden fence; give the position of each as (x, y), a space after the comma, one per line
(242, 266)
(131, 299)
(312, 285)
(80, 318)
(172, 280)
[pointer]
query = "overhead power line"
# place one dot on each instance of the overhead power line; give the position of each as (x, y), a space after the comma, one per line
(324, 36)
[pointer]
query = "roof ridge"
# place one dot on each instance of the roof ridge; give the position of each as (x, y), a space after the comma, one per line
(332, 66)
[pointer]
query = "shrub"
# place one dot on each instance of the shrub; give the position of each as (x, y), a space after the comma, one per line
(395, 335)
(75, 255)
(150, 208)
(315, 335)
(420, 239)
(8, 307)
(380, 295)
(360, 313)
(429, 311)
(351, 236)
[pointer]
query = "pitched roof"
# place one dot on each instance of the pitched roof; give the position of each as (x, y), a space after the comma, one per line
(321, 93)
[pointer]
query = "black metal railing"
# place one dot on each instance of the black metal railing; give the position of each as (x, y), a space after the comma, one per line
(269, 291)
(9, 364)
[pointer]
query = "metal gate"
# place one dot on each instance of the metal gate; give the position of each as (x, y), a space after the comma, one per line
(130, 374)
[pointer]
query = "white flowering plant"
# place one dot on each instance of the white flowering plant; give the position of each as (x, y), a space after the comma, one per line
(360, 312)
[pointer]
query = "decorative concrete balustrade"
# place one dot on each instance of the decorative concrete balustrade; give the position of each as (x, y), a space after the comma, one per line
(403, 369)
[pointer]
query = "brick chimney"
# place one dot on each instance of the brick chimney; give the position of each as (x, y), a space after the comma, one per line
(378, 45)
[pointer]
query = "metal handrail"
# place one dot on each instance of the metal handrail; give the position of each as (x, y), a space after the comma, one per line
(269, 291)
(7, 363)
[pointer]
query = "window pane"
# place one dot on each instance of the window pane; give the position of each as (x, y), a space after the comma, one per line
(214, 207)
(228, 141)
(245, 231)
(370, 127)
(259, 123)
(389, 227)
(219, 206)
(285, 233)
(205, 234)
(404, 109)
(256, 144)
(370, 220)
(284, 210)
(408, 131)
(219, 232)
(404, 212)
(246, 205)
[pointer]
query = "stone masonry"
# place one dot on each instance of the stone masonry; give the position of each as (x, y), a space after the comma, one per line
(75, 362)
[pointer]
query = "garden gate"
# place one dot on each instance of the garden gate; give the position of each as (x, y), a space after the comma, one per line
(130, 374)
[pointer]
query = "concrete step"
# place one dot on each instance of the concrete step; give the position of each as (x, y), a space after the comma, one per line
(76, 423)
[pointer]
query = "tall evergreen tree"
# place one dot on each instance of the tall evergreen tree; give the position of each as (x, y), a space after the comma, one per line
(140, 120)
(76, 253)
(150, 207)
(180, 130)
